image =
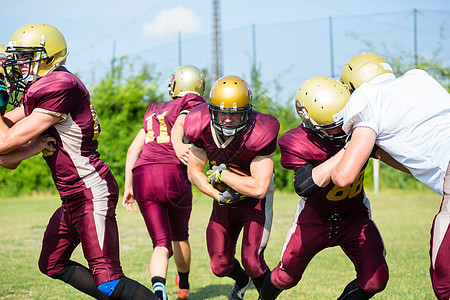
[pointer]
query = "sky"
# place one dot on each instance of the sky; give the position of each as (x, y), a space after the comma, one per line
(97, 30)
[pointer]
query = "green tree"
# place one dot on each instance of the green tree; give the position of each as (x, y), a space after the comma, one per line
(265, 102)
(121, 102)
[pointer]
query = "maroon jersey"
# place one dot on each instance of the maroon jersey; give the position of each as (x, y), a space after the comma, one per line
(158, 122)
(301, 146)
(76, 164)
(260, 138)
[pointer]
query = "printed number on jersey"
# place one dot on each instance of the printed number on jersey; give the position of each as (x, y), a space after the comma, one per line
(163, 136)
(338, 193)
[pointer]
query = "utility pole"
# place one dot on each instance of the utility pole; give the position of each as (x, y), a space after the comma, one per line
(216, 42)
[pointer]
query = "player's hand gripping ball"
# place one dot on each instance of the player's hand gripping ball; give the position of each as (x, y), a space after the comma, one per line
(219, 184)
(230, 196)
(215, 174)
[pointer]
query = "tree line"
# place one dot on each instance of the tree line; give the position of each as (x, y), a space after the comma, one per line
(123, 95)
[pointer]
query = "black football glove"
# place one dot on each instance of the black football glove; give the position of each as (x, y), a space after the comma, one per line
(230, 196)
(4, 97)
(215, 174)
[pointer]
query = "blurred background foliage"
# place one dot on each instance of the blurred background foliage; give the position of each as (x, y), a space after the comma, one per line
(122, 96)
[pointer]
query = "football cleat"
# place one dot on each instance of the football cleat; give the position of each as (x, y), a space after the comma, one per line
(182, 293)
(238, 293)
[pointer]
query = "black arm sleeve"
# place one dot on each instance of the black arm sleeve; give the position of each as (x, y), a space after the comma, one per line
(374, 150)
(303, 183)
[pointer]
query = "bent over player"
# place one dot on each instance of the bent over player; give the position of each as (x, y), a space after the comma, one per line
(57, 103)
(228, 133)
(327, 215)
(409, 118)
(156, 176)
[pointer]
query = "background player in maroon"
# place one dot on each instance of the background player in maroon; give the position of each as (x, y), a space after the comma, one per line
(326, 215)
(56, 102)
(228, 132)
(156, 177)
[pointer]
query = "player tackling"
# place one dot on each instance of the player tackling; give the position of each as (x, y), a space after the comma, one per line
(409, 118)
(327, 215)
(57, 103)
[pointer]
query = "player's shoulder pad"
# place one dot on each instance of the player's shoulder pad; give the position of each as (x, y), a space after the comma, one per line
(298, 141)
(193, 96)
(263, 129)
(55, 82)
(196, 122)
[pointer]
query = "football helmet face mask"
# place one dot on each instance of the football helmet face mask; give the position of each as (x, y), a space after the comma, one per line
(230, 95)
(362, 68)
(186, 79)
(37, 50)
(320, 102)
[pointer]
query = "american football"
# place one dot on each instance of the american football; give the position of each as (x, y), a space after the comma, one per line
(221, 186)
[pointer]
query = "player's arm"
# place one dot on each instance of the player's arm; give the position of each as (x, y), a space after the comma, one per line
(258, 183)
(354, 157)
(133, 153)
(308, 179)
(34, 147)
(14, 115)
(177, 134)
(196, 163)
(389, 160)
(24, 130)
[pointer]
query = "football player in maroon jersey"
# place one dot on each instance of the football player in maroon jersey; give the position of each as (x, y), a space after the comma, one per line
(227, 132)
(156, 176)
(326, 215)
(57, 103)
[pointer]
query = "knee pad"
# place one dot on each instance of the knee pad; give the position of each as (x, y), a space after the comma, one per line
(67, 273)
(108, 287)
(125, 289)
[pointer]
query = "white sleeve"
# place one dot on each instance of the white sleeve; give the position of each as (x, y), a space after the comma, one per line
(359, 112)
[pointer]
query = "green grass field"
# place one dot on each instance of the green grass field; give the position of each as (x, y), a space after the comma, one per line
(404, 219)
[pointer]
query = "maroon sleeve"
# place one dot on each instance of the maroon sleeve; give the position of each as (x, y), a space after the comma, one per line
(59, 93)
(264, 132)
(190, 101)
(196, 123)
(301, 146)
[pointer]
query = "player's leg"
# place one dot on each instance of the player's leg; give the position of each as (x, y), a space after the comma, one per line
(365, 248)
(303, 241)
(155, 217)
(57, 246)
(440, 245)
(182, 258)
(155, 188)
(179, 210)
(93, 212)
(221, 239)
(257, 222)
(254, 241)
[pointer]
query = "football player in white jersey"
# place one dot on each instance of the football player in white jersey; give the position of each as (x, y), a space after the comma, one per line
(409, 118)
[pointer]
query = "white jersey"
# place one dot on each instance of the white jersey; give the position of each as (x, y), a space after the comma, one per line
(411, 118)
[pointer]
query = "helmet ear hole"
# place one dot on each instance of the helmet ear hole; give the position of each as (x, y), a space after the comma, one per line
(319, 102)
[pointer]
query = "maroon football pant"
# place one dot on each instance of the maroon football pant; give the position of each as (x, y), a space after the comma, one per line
(225, 224)
(89, 218)
(355, 233)
(164, 195)
(440, 245)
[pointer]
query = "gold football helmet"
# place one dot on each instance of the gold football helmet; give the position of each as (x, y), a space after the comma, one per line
(230, 95)
(186, 79)
(362, 68)
(46, 44)
(320, 102)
